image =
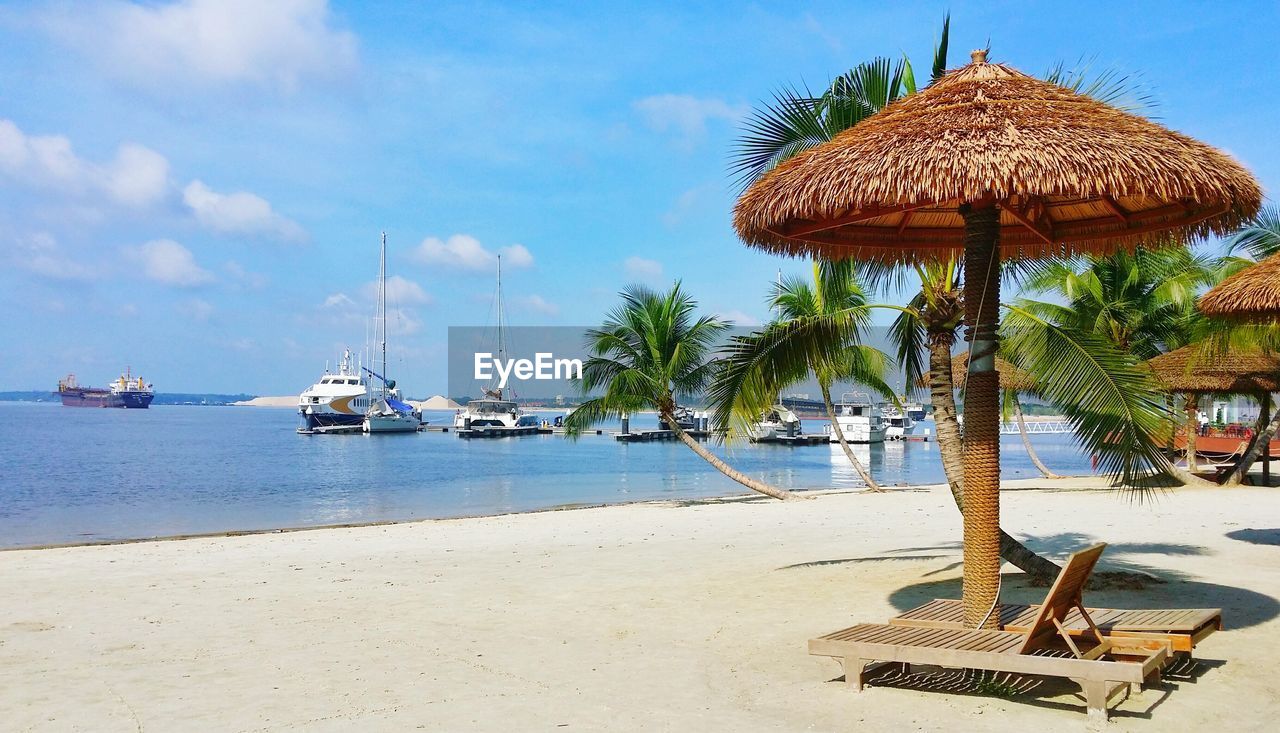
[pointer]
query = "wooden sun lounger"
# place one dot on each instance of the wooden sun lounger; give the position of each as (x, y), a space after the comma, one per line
(1102, 665)
(1183, 628)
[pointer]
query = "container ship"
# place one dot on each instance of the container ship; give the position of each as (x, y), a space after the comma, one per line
(124, 392)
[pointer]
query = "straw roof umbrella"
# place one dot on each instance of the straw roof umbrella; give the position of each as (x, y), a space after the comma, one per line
(1253, 294)
(989, 161)
(1193, 373)
(1011, 377)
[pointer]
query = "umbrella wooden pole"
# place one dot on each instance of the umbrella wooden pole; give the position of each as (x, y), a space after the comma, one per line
(982, 416)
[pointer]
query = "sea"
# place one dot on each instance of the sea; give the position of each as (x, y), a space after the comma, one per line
(90, 475)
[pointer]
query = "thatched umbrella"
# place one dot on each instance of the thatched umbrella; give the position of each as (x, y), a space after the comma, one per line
(989, 161)
(1253, 294)
(1011, 377)
(1193, 372)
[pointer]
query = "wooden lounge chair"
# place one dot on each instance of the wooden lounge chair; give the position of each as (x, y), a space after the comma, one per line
(1183, 628)
(1102, 665)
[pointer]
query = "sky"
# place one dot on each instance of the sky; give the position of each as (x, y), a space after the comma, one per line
(196, 189)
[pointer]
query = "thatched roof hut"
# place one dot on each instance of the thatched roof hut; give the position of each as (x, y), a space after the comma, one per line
(1072, 174)
(1253, 294)
(1193, 370)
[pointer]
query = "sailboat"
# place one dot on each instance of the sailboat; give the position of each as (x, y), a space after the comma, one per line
(494, 413)
(387, 413)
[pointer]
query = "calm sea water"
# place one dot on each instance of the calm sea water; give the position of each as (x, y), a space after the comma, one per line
(71, 475)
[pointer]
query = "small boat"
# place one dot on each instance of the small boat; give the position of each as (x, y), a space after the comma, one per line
(898, 422)
(687, 420)
(493, 412)
(860, 420)
(778, 422)
(387, 413)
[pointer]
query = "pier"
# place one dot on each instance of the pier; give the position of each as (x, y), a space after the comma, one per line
(793, 440)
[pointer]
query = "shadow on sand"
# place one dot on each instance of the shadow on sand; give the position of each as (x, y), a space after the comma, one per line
(1256, 536)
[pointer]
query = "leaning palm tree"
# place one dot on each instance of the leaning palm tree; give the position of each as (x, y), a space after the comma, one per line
(651, 351)
(835, 288)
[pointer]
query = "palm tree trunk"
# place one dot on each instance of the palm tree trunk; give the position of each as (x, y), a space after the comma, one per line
(1026, 441)
(844, 445)
(981, 587)
(723, 467)
(1193, 428)
(1261, 444)
(943, 396)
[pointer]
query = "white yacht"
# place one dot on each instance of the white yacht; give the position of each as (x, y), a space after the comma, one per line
(493, 412)
(387, 413)
(777, 422)
(860, 420)
(337, 399)
(898, 422)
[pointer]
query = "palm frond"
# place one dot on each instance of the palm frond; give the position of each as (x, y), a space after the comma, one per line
(1261, 238)
(1116, 409)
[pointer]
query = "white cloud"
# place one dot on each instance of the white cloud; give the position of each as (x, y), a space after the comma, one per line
(686, 116)
(400, 291)
(238, 213)
(174, 45)
(642, 269)
(40, 254)
(138, 176)
(168, 262)
(196, 309)
(689, 203)
(739, 318)
(339, 300)
(538, 304)
(239, 274)
(464, 252)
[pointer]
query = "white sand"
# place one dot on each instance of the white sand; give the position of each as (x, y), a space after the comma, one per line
(641, 617)
(284, 401)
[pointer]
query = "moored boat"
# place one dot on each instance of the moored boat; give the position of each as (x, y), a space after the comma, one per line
(340, 399)
(860, 420)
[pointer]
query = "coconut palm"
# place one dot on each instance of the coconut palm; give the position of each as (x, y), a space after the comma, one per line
(651, 351)
(1143, 302)
(834, 288)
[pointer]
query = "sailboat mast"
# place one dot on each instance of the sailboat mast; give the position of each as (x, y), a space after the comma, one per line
(382, 310)
(502, 341)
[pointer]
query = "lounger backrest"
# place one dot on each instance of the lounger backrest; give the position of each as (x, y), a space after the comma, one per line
(1066, 594)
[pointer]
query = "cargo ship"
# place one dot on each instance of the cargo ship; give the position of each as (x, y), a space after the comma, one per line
(124, 392)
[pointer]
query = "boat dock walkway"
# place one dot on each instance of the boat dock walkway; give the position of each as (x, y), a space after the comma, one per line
(794, 440)
(645, 436)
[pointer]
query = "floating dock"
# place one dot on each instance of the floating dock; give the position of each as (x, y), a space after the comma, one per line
(645, 436)
(794, 440)
(499, 432)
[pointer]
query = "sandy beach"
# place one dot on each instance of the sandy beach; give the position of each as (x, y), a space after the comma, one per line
(655, 616)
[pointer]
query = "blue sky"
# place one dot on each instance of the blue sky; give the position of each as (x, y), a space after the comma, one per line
(196, 188)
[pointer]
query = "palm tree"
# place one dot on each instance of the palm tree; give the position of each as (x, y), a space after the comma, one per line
(835, 288)
(798, 121)
(650, 351)
(1143, 302)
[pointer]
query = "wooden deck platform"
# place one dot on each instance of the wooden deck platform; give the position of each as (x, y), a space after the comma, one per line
(494, 432)
(646, 436)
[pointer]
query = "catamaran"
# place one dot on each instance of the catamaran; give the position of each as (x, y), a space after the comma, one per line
(860, 420)
(336, 401)
(898, 422)
(493, 411)
(387, 413)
